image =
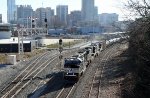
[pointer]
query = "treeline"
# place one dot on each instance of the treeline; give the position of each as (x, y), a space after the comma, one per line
(139, 50)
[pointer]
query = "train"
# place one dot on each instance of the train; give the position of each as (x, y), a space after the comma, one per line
(76, 65)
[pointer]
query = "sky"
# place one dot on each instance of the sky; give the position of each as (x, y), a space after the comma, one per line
(104, 6)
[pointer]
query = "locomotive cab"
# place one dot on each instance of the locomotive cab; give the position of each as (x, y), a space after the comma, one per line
(73, 67)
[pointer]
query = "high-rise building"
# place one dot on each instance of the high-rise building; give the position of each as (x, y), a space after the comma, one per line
(44, 13)
(87, 10)
(40, 15)
(95, 13)
(24, 14)
(24, 11)
(106, 19)
(11, 11)
(0, 18)
(49, 15)
(62, 12)
(75, 17)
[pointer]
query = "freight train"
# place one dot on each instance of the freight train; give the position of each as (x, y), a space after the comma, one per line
(76, 65)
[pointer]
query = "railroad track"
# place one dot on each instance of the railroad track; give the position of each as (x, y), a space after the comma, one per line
(104, 90)
(27, 75)
(24, 77)
(66, 91)
(95, 89)
(21, 74)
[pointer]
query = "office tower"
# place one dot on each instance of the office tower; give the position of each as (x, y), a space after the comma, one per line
(24, 14)
(40, 14)
(49, 15)
(106, 19)
(87, 10)
(62, 12)
(24, 11)
(75, 18)
(11, 11)
(44, 13)
(95, 13)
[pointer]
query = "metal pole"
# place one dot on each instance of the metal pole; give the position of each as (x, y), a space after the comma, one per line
(18, 45)
(27, 22)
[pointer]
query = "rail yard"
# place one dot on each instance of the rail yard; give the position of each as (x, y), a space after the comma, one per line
(45, 77)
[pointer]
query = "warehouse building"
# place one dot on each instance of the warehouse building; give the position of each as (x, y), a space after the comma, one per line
(11, 45)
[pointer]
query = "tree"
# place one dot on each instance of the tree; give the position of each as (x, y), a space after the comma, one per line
(139, 46)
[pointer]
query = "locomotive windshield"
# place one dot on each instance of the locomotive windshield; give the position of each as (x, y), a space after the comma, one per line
(72, 64)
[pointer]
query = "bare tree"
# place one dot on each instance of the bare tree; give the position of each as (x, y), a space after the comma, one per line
(139, 7)
(139, 46)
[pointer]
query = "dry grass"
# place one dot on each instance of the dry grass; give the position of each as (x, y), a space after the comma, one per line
(33, 53)
(2, 58)
(66, 44)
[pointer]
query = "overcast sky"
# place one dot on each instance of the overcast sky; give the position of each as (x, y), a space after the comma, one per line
(104, 6)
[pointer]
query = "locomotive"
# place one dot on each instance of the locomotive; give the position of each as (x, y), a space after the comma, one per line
(76, 65)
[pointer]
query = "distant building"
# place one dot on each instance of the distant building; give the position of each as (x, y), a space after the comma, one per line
(24, 11)
(11, 45)
(122, 25)
(44, 13)
(24, 14)
(75, 17)
(40, 13)
(107, 19)
(95, 13)
(49, 15)
(11, 11)
(0, 18)
(87, 10)
(62, 12)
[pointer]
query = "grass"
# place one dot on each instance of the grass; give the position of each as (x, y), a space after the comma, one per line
(66, 44)
(2, 59)
(33, 53)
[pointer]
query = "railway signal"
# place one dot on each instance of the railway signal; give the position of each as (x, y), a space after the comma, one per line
(60, 41)
(33, 23)
(60, 45)
(45, 20)
(60, 50)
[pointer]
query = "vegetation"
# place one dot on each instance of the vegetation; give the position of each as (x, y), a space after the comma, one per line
(65, 44)
(33, 53)
(139, 48)
(2, 59)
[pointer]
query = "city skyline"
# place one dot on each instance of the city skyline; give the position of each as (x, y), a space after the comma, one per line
(107, 6)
